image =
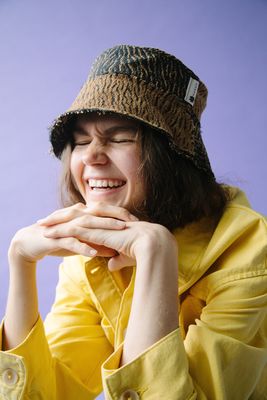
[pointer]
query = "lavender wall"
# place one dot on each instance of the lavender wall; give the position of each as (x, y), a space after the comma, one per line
(46, 49)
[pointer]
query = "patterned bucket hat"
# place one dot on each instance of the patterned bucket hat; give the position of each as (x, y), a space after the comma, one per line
(149, 85)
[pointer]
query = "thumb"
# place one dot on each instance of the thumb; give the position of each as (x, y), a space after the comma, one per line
(118, 262)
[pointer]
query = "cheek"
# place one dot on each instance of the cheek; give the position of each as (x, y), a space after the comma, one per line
(132, 166)
(130, 163)
(75, 169)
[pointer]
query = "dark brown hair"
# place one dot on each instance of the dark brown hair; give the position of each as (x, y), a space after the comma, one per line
(177, 193)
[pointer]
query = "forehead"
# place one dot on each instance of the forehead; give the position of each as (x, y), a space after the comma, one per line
(103, 123)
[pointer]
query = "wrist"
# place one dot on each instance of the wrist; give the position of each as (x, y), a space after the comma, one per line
(156, 242)
(15, 257)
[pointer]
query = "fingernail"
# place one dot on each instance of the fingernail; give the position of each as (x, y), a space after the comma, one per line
(120, 223)
(39, 221)
(93, 252)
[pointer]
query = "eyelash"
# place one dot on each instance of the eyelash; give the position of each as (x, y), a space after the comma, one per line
(111, 140)
(122, 141)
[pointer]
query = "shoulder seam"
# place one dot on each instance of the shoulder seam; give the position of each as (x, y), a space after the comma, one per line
(248, 210)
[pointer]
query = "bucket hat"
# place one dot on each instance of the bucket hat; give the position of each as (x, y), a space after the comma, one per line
(149, 85)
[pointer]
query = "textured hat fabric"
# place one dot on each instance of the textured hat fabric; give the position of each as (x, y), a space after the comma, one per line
(149, 85)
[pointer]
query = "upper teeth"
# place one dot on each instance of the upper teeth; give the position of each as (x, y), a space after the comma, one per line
(105, 183)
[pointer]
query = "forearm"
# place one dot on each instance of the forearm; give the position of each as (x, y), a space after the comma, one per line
(22, 303)
(154, 311)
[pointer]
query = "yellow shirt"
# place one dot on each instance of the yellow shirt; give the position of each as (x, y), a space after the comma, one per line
(219, 352)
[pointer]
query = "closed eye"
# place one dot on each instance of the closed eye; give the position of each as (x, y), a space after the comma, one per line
(84, 143)
(81, 143)
(122, 141)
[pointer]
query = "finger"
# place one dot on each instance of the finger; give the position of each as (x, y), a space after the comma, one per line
(63, 215)
(75, 246)
(80, 228)
(118, 262)
(81, 234)
(91, 221)
(96, 236)
(101, 209)
(103, 251)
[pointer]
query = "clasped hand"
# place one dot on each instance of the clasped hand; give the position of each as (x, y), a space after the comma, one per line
(98, 229)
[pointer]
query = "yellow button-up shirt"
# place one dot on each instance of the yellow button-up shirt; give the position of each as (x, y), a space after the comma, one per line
(218, 352)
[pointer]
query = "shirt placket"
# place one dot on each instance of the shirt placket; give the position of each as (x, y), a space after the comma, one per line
(110, 300)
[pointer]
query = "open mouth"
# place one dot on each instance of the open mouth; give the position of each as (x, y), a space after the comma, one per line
(105, 184)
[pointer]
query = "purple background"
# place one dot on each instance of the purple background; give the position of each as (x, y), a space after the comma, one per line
(46, 49)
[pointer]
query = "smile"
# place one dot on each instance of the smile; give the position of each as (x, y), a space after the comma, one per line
(105, 184)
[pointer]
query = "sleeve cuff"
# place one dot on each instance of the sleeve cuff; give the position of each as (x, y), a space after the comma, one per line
(22, 360)
(153, 373)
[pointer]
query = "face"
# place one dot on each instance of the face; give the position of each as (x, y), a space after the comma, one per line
(105, 161)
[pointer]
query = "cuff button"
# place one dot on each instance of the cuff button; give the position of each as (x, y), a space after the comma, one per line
(10, 377)
(129, 395)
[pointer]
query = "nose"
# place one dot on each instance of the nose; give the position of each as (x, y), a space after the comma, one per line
(94, 153)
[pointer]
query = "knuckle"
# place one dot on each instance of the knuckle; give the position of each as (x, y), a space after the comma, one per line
(123, 210)
(125, 213)
(72, 211)
(78, 206)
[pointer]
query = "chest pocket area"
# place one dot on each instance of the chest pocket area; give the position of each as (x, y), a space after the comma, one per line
(190, 310)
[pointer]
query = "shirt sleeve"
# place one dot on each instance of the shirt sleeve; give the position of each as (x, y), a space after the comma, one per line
(60, 358)
(223, 356)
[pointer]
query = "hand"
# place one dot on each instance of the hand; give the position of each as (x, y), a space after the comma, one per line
(30, 244)
(137, 239)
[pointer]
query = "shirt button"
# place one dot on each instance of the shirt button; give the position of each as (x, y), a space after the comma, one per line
(129, 395)
(10, 376)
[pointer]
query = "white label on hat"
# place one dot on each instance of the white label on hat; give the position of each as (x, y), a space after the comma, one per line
(191, 91)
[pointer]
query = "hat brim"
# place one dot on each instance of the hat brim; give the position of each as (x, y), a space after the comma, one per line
(129, 97)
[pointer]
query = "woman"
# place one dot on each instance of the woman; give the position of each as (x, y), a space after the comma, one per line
(162, 291)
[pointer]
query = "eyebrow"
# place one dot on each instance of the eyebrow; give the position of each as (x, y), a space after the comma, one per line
(132, 128)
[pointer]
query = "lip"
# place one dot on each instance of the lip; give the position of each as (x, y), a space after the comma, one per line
(103, 178)
(104, 192)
